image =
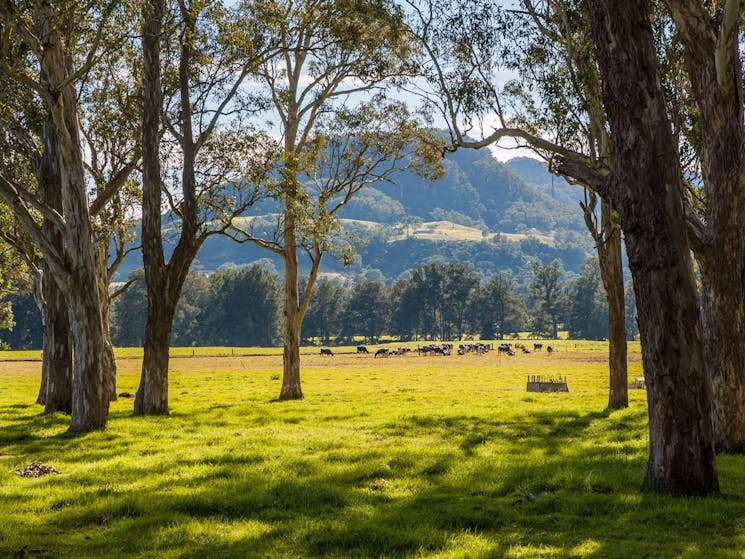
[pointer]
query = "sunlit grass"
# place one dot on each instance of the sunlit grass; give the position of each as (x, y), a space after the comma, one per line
(408, 456)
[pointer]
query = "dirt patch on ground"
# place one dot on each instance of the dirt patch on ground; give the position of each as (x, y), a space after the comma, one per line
(35, 470)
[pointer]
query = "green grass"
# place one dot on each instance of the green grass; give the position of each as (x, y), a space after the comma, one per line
(429, 457)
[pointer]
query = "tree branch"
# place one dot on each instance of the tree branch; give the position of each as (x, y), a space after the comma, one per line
(120, 291)
(114, 185)
(33, 229)
(20, 193)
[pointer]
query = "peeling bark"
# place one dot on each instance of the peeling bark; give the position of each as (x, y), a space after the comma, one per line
(56, 386)
(80, 288)
(103, 289)
(55, 392)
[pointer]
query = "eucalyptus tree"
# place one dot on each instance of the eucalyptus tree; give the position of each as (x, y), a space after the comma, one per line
(710, 36)
(406, 310)
(339, 131)
(109, 122)
(36, 168)
(200, 154)
(366, 311)
(587, 313)
(29, 161)
(646, 186)
(554, 108)
(698, 55)
(651, 217)
(244, 307)
(460, 282)
(46, 51)
(555, 55)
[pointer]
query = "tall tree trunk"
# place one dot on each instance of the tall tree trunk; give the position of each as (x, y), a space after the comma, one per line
(152, 394)
(38, 291)
(647, 191)
(724, 327)
(292, 325)
(714, 67)
(90, 400)
(611, 270)
(103, 288)
(55, 392)
(56, 367)
(90, 403)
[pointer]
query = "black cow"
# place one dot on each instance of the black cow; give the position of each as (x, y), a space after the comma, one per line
(537, 347)
(325, 351)
(362, 349)
(382, 352)
(550, 350)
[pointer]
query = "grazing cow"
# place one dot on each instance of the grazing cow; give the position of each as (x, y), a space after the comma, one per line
(362, 349)
(525, 350)
(550, 350)
(382, 352)
(325, 351)
(436, 349)
(505, 348)
(537, 347)
(479, 348)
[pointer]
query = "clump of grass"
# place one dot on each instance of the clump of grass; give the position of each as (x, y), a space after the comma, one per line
(408, 457)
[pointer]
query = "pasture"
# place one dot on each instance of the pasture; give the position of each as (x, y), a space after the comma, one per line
(404, 456)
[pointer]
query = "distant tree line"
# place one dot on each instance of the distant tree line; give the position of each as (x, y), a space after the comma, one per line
(242, 306)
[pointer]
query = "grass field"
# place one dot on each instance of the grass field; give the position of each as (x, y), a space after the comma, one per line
(448, 231)
(407, 456)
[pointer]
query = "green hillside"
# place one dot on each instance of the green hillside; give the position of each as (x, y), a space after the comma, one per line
(481, 212)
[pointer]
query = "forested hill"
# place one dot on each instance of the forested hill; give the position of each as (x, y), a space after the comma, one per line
(493, 216)
(479, 191)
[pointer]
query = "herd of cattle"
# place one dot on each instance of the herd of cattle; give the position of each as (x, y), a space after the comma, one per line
(447, 349)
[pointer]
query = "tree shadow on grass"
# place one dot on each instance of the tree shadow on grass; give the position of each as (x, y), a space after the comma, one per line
(561, 499)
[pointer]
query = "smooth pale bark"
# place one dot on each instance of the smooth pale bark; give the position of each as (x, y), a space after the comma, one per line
(90, 403)
(712, 61)
(291, 389)
(103, 289)
(647, 191)
(611, 271)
